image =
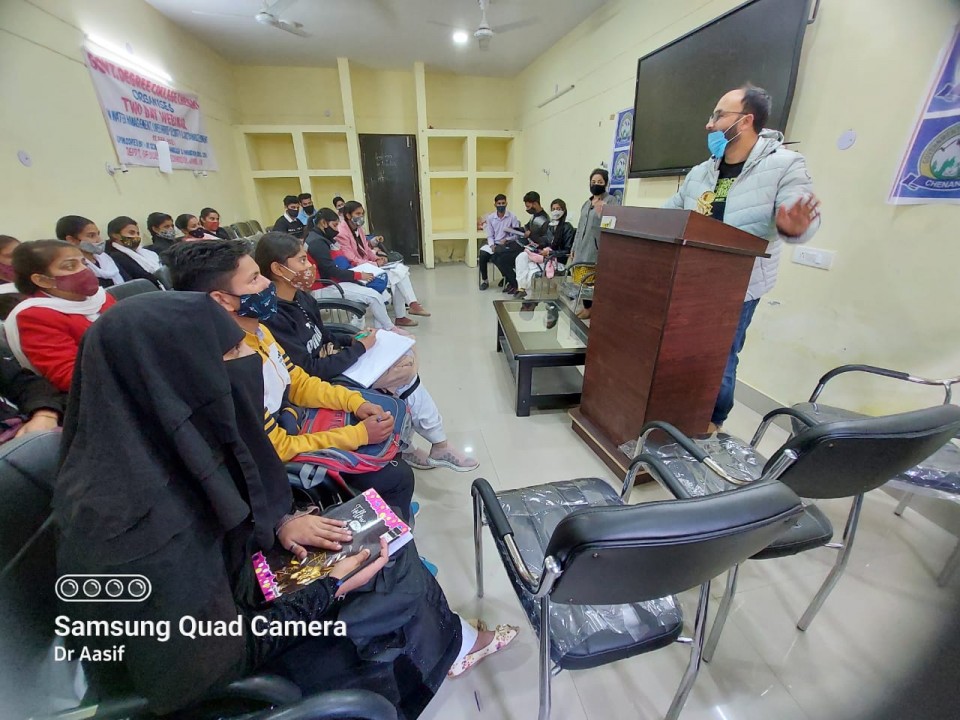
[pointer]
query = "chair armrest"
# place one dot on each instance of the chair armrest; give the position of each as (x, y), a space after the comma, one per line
(266, 689)
(681, 439)
(499, 524)
(946, 383)
(656, 467)
(502, 530)
(111, 709)
(330, 283)
(334, 705)
(358, 309)
(803, 417)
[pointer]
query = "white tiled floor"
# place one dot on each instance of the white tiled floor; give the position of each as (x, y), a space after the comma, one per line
(872, 630)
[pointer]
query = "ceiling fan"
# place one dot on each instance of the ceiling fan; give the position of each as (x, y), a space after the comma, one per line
(485, 32)
(270, 14)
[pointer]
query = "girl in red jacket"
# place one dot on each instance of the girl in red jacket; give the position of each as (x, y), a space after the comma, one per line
(64, 299)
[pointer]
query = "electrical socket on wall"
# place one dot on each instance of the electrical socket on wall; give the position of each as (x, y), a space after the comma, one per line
(813, 257)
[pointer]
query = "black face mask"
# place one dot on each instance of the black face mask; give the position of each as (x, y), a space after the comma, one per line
(330, 233)
(308, 209)
(531, 211)
(598, 189)
(197, 232)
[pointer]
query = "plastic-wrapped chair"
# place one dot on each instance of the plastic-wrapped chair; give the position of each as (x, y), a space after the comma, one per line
(577, 283)
(937, 476)
(843, 459)
(28, 577)
(597, 577)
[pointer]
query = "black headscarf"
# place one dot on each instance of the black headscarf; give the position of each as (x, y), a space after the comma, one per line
(162, 458)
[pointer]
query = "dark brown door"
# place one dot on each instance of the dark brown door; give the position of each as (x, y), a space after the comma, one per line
(391, 182)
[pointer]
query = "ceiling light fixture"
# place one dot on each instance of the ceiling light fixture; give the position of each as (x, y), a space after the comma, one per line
(460, 37)
(121, 56)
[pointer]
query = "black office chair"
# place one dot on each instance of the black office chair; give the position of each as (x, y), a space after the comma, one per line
(339, 314)
(844, 459)
(597, 577)
(937, 476)
(27, 578)
(131, 288)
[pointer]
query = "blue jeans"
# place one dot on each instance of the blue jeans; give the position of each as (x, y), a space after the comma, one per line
(725, 399)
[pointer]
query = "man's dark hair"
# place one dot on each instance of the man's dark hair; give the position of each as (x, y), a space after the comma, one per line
(328, 214)
(500, 197)
(350, 207)
(756, 101)
(71, 225)
(34, 257)
(290, 200)
(182, 220)
(206, 212)
(119, 223)
(156, 219)
(6, 240)
(304, 196)
(205, 265)
(275, 247)
(532, 197)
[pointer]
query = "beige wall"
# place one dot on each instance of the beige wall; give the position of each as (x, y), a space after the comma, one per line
(384, 101)
(50, 110)
(288, 95)
(891, 298)
(465, 102)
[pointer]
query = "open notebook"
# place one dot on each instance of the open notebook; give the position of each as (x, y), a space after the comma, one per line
(388, 348)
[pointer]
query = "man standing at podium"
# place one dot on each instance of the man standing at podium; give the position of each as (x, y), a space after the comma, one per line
(756, 185)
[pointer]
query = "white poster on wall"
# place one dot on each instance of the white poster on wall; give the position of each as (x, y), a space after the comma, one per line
(141, 112)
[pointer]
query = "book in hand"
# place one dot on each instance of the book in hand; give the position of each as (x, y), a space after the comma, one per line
(368, 517)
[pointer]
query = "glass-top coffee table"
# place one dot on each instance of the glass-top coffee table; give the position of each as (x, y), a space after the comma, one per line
(544, 336)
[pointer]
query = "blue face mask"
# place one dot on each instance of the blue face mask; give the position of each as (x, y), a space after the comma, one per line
(717, 142)
(261, 305)
(501, 209)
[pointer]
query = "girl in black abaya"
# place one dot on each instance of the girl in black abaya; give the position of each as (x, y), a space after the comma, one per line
(166, 472)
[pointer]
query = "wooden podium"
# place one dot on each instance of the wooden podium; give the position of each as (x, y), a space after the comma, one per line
(670, 288)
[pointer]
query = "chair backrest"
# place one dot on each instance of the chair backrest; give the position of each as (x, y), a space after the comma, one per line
(256, 226)
(246, 230)
(231, 232)
(131, 288)
(631, 553)
(28, 468)
(850, 457)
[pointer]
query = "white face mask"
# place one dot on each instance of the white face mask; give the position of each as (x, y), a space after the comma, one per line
(556, 214)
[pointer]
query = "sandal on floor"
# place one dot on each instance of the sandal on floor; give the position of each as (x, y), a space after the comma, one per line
(453, 460)
(503, 635)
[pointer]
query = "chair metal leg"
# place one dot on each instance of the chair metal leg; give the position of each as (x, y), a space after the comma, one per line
(722, 612)
(478, 542)
(545, 670)
(849, 533)
(696, 655)
(904, 502)
(950, 568)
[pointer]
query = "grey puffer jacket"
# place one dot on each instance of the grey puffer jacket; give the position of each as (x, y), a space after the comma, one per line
(772, 176)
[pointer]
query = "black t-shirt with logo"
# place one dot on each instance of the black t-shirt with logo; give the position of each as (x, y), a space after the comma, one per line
(728, 173)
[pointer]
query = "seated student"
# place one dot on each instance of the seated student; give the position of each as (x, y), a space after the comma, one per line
(163, 233)
(497, 224)
(196, 491)
(353, 244)
(535, 232)
(84, 234)
(324, 249)
(31, 403)
(191, 228)
(210, 222)
(7, 245)
(134, 261)
(225, 271)
(298, 327)
(307, 210)
(289, 222)
(556, 248)
(63, 300)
